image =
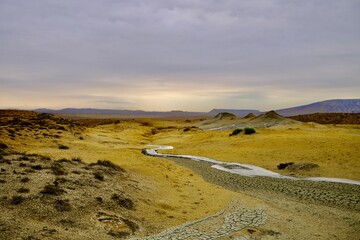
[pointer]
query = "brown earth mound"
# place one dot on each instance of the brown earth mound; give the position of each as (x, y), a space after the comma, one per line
(45, 199)
(21, 124)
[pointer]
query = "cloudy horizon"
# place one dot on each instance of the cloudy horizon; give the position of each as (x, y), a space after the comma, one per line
(177, 55)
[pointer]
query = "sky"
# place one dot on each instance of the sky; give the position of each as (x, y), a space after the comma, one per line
(192, 55)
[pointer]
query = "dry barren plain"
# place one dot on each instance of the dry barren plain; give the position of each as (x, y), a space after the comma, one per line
(70, 194)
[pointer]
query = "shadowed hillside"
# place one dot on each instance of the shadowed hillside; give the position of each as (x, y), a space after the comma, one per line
(329, 118)
(18, 124)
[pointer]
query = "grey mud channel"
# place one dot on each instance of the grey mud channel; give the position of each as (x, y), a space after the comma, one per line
(231, 223)
(339, 193)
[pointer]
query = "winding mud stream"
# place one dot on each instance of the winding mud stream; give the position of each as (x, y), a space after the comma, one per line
(240, 169)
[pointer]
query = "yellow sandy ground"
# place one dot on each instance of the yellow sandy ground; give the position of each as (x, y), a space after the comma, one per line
(170, 194)
(334, 148)
(173, 195)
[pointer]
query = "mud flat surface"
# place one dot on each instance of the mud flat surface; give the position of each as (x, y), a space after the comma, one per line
(293, 209)
(345, 196)
(231, 223)
(303, 209)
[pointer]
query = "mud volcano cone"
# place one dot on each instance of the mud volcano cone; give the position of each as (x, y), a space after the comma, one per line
(272, 115)
(250, 115)
(225, 115)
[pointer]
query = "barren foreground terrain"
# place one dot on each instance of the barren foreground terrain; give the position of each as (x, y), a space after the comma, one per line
(61, 179)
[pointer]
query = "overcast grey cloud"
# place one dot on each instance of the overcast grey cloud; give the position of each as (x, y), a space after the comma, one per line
(189, 55)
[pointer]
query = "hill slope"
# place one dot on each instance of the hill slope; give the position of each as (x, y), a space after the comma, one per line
(120, 112)
(328, 106)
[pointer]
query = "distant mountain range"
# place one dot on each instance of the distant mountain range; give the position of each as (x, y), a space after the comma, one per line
(328, 106)
(122, 112)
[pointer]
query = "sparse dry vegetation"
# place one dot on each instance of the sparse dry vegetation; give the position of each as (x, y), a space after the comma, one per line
(249, 131)
(130, 194)
(235, 132)
(61, 146)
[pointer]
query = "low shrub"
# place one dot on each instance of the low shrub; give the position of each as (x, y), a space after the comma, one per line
(284, 165)
(17, 200)
(133, 226)
(235, 132)
(24, 158)
(23, 190)
(11, 131)
(118, 234)
(123, 201)
(186, 129)
(59, 180)
(61, 146)
(22, 164)
(99, 176)
(249, 131)
(52, 190)
(3, 146)
(57, 169)
(7, 161)
(37, 167)
(46, 158)
(107, 163)
(77, 159)
(25, 180)
(63, 160)
(62, 205)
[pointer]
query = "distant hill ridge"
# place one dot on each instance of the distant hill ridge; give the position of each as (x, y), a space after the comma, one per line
(112, 111)
(328, 106)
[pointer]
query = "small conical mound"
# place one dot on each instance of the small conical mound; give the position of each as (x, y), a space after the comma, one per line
(250, 115)
(269, 116)
(225, 115)
(272, 114)
(271, 119)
